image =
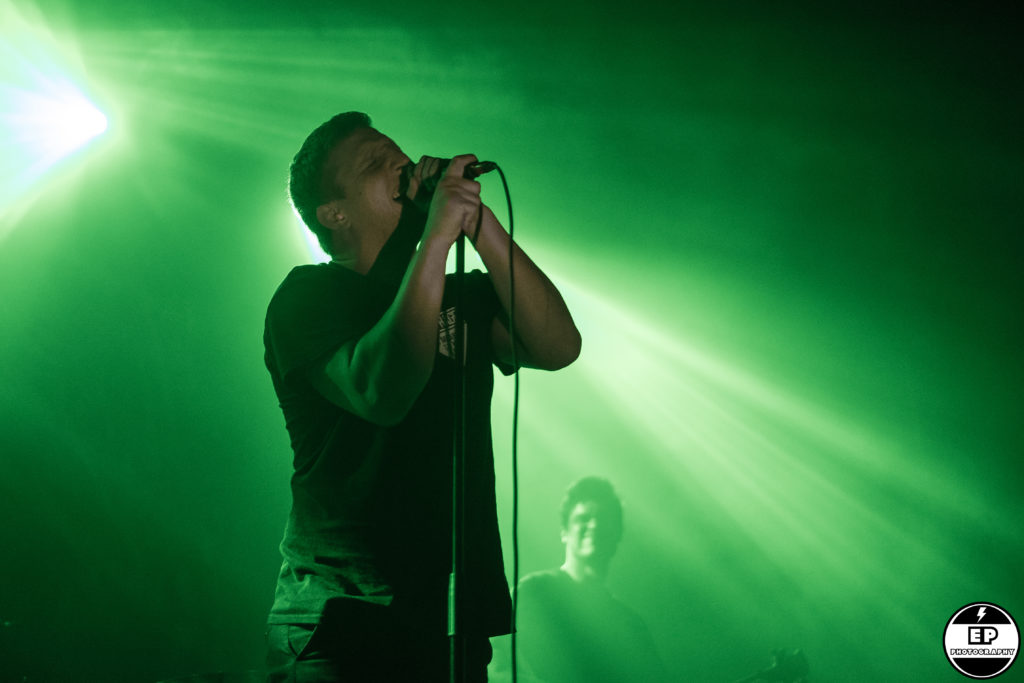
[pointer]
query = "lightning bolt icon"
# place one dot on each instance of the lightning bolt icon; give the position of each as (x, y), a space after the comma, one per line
(981, 613)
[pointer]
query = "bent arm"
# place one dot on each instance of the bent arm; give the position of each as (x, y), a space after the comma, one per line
(546, 335)
(379, 375)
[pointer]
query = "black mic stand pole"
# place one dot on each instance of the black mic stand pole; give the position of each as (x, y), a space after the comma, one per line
(456, 634)
(455, 626)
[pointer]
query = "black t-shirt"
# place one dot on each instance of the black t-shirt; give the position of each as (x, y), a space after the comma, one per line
(572, 632)
(371, 505)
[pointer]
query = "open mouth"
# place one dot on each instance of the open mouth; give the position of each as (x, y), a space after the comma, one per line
(403, 182)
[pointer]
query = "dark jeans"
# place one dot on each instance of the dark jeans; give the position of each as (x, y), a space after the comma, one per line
(358, 642)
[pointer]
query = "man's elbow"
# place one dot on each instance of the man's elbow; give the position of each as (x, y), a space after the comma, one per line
(385, 413)
(561, 354)
(573, 348)
(381, 407)
(364, 396)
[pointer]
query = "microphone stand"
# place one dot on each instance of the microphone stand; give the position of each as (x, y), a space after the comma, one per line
(455, 627)
(457, 638)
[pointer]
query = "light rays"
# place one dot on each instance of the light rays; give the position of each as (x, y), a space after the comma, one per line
(841, 505)
(802, 389)
(44, 115)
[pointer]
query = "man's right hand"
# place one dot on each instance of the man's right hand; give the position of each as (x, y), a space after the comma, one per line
(455, 207)
(418, 173)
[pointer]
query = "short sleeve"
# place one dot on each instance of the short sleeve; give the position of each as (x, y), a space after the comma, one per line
(314, 312)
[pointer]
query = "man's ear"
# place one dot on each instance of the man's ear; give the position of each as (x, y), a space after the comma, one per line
(331, 216)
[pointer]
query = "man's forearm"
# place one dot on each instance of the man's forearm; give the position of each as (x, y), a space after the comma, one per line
(546, 333)
(383, 372)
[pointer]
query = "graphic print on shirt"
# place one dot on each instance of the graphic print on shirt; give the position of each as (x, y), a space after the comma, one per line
(446, 335)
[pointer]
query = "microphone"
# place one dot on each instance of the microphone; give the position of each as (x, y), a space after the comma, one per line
(429, 183)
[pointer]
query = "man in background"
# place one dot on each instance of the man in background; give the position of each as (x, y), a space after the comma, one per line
(571, 629)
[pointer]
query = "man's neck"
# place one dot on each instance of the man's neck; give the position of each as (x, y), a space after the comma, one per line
(585, 572)
(358, 255)
(384, 255)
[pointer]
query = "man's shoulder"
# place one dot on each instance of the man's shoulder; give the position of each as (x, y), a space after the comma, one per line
(319, 274)
(309, 284)
(544, 579)
(552, 574)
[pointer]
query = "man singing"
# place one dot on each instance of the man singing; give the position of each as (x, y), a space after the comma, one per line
(360, 351)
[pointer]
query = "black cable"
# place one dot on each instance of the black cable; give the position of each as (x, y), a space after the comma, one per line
(515, 419)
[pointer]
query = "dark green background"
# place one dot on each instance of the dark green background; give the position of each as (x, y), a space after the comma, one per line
(791, 237)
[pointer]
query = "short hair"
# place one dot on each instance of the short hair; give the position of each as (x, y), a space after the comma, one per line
(598, 490)
(308, 184)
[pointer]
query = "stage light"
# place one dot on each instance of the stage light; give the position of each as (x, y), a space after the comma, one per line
(51, 124)
(44, 116)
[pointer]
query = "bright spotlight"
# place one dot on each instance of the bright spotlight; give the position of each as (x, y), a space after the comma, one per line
(48, 126)
(44, 116)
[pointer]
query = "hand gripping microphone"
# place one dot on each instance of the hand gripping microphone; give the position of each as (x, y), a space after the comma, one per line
(429, 183)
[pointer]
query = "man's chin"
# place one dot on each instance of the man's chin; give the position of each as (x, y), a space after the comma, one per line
(419, 207)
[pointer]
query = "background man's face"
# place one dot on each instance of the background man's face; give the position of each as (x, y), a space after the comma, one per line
(591, 533)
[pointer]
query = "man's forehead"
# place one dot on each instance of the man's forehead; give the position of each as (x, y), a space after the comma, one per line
(356, 142)
(586, 507)
(354, 150)
(362, 136)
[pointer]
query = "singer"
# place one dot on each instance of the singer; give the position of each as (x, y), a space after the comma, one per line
(361, 358)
